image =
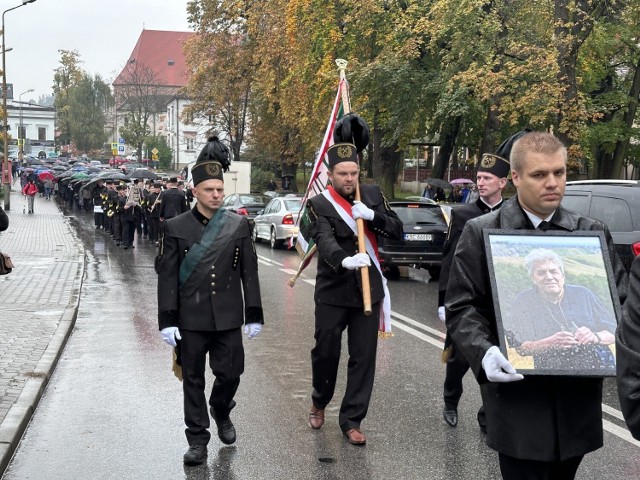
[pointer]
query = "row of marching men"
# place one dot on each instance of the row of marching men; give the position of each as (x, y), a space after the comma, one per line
(139, 208)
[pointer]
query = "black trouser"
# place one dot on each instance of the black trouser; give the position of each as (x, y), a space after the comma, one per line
(518, 469)
(117, 227)
(362, 340)
(128, 231)
(154, 228)
(143, 225)
(457, 367)
(226, 359)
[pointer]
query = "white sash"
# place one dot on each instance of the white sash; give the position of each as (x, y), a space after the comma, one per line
(385, 311)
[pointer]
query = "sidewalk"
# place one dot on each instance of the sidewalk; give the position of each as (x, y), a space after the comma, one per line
(39, 302)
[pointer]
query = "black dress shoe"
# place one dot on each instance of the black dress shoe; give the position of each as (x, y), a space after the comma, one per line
(226, 430)
(195, 455)
(451, 417)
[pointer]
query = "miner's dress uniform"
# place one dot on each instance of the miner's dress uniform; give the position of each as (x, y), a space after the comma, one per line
(211, 316)
(338, 299)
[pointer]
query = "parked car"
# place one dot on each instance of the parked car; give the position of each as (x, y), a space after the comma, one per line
(614, 202)
(277, 222)
(425, 229)
(248, 204)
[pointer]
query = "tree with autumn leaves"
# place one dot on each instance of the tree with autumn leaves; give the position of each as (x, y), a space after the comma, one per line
(466, 72)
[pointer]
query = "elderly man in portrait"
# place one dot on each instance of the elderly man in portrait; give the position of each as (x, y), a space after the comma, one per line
(562, 326)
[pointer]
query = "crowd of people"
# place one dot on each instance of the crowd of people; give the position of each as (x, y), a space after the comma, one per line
(466, 193)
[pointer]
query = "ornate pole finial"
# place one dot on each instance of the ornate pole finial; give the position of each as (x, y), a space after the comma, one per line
(342, 64)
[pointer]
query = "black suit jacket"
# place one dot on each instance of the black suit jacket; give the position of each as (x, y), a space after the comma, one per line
(228, 294)
(172, 203)
(543, 418)
(336, 285)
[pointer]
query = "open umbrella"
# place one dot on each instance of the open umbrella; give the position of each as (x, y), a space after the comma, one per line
(142, 173)
(460, 181)
(438, 182)
(45, 176)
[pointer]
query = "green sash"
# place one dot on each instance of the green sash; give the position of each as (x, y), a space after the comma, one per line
(198, 250)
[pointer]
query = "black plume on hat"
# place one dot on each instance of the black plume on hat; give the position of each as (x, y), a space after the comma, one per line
(504, 150)
(352, 129)
(215, 150)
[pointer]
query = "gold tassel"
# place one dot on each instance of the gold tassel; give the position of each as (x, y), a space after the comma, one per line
(177, 369)
(446, 354)
(385, 335)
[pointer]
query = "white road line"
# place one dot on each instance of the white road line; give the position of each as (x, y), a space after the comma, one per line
(623, 433)
(418, 334)
(288, 270)
(263, 262)
(273, 262)
(310, 281)
(610, 427)
(426, 328)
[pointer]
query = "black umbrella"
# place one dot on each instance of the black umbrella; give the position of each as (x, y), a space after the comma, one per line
(438, 182)
(142, 173)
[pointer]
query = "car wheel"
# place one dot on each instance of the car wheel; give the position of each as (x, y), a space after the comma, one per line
(254, 235)
(434, 272)
(275, 243)
(392, 273)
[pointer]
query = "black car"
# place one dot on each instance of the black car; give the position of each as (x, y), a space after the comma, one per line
(425, 229)
(248, 204)
(614, 202)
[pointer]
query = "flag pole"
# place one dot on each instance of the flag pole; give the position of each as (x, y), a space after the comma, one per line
(362, 246)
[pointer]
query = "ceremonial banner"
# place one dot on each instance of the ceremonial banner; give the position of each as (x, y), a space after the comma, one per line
(317, 184)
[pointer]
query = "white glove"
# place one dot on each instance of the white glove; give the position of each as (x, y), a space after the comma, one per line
(252, 329)
(494, 363)
(441, 314)
(357, 261)
(360, 210)
(169, 335)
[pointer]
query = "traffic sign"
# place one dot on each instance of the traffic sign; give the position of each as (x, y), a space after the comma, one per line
(120, 140)
(155, 151)
(154, 156)
(121, 149)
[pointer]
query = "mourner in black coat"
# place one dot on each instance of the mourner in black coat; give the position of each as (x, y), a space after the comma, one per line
(338, 290)
(541, 426)
(173, 201)
(628, 353)
(491, 179)
(208, 288)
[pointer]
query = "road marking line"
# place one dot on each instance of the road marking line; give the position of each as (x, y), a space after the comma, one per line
(623, 433)
(289, 271)
(610, 427)
(418, 334)
(263, 262)
(265, 259)
(426, 328)
(310, 281)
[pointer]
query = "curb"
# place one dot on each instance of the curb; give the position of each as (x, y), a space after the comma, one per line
(19, 415)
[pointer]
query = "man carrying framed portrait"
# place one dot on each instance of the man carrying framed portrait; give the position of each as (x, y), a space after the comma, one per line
(541, 426)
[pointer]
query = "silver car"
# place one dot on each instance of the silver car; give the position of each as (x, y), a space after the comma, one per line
(277, 222)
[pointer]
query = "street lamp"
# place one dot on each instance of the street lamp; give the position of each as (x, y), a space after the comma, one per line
(21, 135)
(6, 174)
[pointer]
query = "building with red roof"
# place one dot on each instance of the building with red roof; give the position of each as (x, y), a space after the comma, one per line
(152, 81)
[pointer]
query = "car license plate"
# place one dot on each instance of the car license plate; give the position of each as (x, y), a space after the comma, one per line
(417, 237)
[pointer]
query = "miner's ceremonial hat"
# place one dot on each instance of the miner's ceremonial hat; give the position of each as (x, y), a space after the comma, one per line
(498, 163)
(341, 152)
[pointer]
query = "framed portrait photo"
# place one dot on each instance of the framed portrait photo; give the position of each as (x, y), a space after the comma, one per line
(555, 301)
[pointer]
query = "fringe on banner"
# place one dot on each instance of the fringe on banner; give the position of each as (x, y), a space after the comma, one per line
(176, 367)
(446, 354)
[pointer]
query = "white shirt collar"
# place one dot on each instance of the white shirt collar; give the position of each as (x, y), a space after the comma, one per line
(537, 220)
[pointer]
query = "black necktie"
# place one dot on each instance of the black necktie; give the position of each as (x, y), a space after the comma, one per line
(544, 225)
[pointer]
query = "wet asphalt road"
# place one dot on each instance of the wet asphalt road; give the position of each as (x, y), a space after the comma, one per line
(113, 409)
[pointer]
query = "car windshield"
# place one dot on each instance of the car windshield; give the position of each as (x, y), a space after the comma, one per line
(419, 214)
(253, 199)
(293, 205)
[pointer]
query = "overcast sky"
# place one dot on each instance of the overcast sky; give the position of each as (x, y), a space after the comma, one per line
(103, 32)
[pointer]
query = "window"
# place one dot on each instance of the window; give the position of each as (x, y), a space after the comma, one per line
(190, 143)
(612, 211)
(42, 134)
